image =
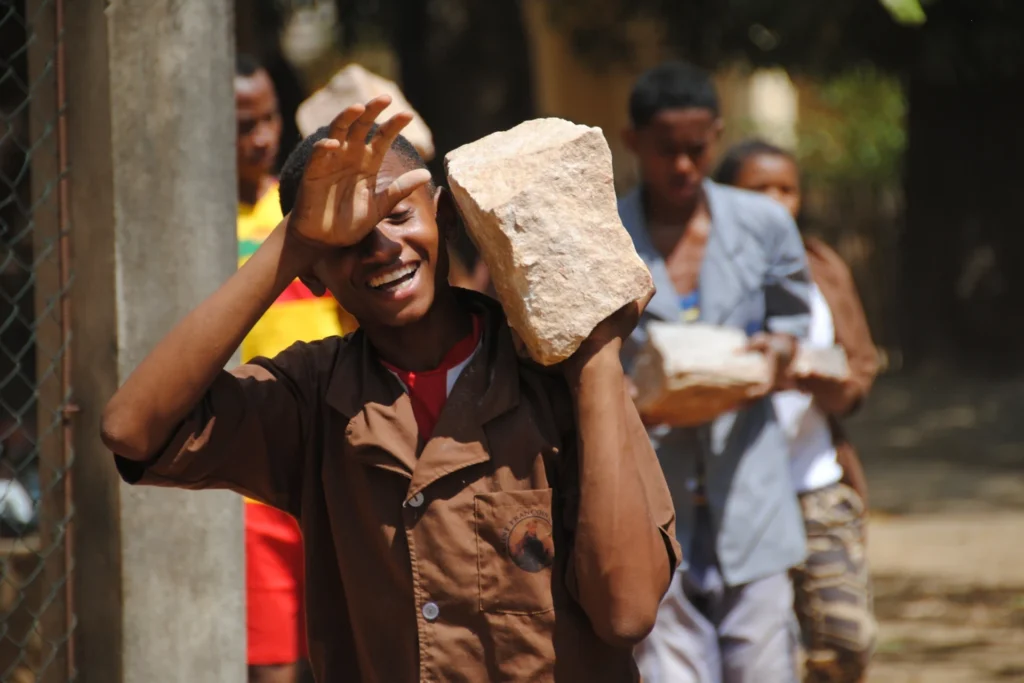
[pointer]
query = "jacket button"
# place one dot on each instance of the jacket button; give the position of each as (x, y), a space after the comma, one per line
(431, 611)
(692, 484)
(417, 500)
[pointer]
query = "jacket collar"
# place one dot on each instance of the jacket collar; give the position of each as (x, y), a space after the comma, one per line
(724, 242)
(381, 427)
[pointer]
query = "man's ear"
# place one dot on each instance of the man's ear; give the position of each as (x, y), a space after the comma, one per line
(629, 138)
(447, 214)
(313, 283)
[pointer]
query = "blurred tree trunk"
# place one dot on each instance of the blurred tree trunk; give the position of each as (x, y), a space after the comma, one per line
(962, 250)
(464, 66)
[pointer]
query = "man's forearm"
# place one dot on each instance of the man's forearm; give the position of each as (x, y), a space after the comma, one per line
(173, 377)
(833, 397)
(621, 560)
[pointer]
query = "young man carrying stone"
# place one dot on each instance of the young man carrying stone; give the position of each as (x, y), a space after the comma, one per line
(731, 258)
(468, 515)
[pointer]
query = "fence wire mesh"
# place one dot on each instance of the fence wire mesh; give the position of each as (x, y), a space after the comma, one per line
(36, 617)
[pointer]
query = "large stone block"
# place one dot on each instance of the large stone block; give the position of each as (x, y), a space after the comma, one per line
(539, 203)
(356, 85)
(827, 362)
(687, 375)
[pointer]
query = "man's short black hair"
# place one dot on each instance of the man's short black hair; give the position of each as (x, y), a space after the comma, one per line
(732, 163)
(671, 85)
(295, 165)
(246, 65)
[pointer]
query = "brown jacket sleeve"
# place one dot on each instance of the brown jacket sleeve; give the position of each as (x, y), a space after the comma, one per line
(248, 434)
(834, 280)
(658, 497)
(659, 500)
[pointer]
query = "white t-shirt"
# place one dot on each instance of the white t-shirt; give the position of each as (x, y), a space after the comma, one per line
(812, 456)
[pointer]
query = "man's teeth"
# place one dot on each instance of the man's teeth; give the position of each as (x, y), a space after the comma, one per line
(391, 276)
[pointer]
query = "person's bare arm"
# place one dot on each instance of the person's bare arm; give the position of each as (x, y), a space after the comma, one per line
(832, 395)
(622, 558)
(338, 204)
(853, 470)
(145, 411)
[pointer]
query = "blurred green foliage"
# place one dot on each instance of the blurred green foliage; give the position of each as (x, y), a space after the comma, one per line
(855, 132)
(906, 11)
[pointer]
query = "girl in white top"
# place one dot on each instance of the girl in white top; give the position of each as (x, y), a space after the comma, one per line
(832, 587)
(813, 463)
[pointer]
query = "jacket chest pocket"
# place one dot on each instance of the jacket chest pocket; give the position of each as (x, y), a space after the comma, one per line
(515, 547)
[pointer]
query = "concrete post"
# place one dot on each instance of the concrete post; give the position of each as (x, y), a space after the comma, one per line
(159, 574)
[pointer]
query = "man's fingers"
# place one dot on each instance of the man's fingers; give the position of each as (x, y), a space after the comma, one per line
(378, 104)
(388, 131)
(641, 304)
(403, 186)
(758, 342)
(357, 132)
(341, 123)
(323, 158)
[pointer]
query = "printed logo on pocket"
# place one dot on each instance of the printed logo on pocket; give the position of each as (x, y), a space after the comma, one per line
(529, 542)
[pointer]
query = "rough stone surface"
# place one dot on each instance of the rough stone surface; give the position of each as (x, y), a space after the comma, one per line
(821, 362)
(539, 203)
(689, 374)
(356, 85)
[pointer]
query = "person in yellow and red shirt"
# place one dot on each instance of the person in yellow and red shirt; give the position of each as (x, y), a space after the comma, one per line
(273, 543)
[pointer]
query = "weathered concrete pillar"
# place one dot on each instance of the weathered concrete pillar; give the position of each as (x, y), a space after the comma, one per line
(159, 575)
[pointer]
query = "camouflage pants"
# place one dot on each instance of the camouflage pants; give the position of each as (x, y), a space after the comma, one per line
(833, 588)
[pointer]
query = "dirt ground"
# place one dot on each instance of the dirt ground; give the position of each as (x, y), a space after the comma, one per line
(945, 460)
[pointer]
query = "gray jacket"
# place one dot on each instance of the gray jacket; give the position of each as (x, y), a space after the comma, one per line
(754, 276)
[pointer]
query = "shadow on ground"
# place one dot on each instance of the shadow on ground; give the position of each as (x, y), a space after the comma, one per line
(932, 632)
(943, 443)
(944, 458)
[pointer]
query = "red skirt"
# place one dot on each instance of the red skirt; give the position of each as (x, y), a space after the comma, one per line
(275, 585)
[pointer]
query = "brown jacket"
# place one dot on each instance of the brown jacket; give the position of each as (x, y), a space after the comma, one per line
(423, 562)
(834, 280)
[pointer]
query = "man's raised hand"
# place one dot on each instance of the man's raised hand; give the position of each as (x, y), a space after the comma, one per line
(339, 201)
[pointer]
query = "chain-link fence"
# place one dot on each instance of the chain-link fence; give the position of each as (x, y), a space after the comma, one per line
(36, 615)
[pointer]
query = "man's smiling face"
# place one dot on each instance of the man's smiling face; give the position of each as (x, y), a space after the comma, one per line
(390, 278)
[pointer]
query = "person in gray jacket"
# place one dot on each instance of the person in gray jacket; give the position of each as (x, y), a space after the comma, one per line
(727, 257)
